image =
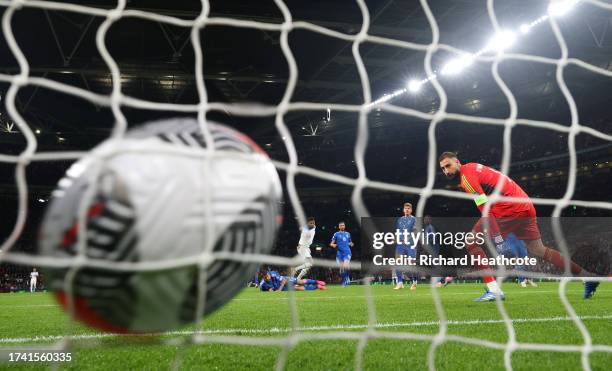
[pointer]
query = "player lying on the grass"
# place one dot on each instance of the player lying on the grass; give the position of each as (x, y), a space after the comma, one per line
(504, 218)
(306, 237)
(341, 241)
(273, 281)
(406, 224)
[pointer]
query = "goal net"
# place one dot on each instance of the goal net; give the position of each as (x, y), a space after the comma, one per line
(434, 65)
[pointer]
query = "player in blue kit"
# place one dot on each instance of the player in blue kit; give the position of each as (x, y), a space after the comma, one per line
(273, 281)
(517, 248)
(341, 241)
(405, 224)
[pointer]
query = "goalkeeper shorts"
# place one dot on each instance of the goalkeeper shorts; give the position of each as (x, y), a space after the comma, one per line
(524, 224)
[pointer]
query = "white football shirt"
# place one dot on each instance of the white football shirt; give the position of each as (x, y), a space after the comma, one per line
(306, 237)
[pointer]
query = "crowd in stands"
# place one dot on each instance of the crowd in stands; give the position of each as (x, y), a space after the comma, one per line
(540, 167)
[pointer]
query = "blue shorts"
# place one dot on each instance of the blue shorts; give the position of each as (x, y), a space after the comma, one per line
(405, 250)
(342, 256)
(291, 281)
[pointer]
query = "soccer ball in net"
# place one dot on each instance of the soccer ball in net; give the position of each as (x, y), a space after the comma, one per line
(157, 196)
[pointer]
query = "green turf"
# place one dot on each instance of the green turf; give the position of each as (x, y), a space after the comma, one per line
(268, 316)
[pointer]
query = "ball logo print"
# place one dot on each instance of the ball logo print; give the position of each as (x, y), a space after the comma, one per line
(151, 205)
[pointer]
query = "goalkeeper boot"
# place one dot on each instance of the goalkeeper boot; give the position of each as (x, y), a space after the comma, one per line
(524, 283)
(399, 286)
(490, 296)
(589, 289)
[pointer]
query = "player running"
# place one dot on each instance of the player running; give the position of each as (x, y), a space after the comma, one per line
(273, 281)
(341, 241)
(405, 224)
(33, 280)
(504, 218)
(306, 237)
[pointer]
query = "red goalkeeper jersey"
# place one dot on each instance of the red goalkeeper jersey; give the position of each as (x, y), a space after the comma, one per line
(481, 180)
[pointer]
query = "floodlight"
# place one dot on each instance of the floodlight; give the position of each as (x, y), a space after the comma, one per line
(457, 65)
(502, 41)
(558, 8)
(414, 86)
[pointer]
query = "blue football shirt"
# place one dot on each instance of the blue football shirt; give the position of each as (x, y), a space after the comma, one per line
(342, 239)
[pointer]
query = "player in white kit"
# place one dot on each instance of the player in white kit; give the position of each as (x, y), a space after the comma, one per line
(33, 280)
(303, 249)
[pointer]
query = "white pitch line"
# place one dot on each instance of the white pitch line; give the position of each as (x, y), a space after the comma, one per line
(28, 305)
(280, 330)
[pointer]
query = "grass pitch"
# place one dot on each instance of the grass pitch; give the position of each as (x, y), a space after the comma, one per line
(34, 320)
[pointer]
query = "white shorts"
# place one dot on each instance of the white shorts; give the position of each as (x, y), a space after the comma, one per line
(32, 282)
(304, 252)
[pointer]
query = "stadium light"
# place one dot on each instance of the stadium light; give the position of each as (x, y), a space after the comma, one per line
(501, 41)
(37, 131)
(414, 86)
(560, 8)
(457, 65)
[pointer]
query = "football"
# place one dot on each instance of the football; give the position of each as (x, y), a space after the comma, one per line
(165, 222)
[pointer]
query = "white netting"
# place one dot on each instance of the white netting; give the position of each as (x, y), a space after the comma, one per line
(117, 99)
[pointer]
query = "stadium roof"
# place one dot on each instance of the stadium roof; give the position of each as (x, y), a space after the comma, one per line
(156, 61)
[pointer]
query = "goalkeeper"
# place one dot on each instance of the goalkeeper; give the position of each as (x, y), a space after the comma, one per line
(505, 217)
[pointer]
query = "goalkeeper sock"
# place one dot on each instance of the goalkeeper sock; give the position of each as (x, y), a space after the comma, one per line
(310, 287)
(489, 280)
(558, 260)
